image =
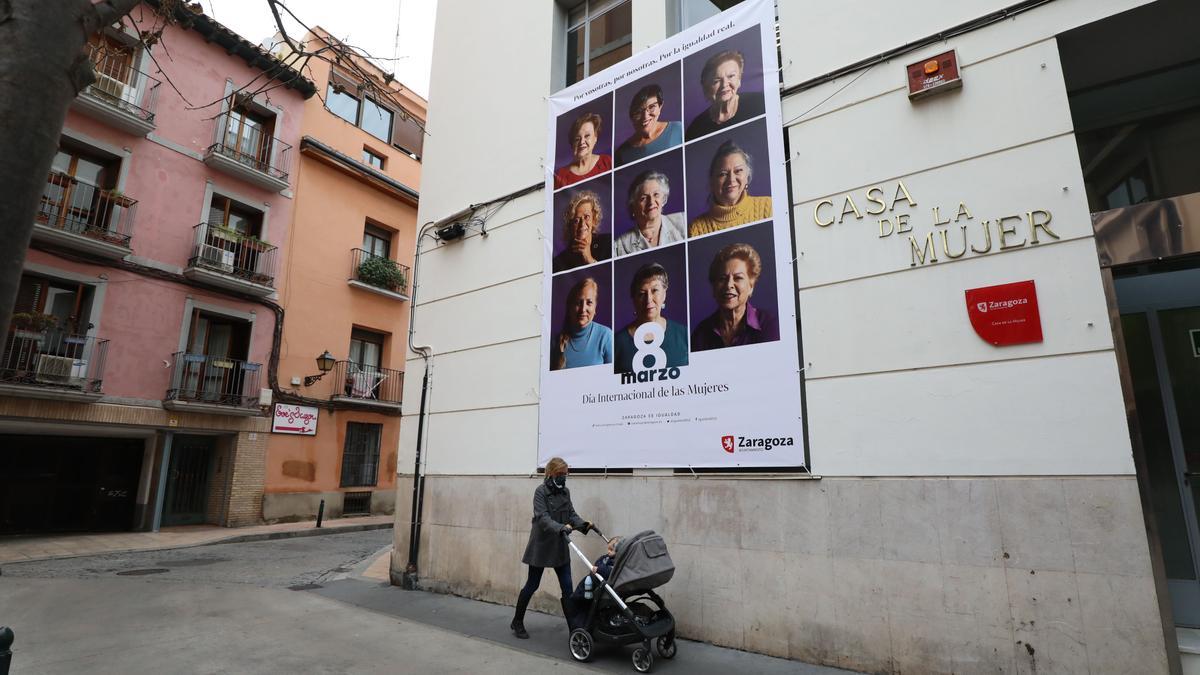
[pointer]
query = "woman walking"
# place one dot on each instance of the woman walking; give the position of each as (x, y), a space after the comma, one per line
(553, 515)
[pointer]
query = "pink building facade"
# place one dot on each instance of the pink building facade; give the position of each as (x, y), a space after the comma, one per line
(133, 382)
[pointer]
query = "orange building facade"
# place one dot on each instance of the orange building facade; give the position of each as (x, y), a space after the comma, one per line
(348, 271)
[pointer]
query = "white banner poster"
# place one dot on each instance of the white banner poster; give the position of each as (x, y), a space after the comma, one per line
(669, 322)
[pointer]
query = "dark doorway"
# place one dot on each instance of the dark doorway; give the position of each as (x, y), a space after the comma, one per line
(186, 500)
(68, 483)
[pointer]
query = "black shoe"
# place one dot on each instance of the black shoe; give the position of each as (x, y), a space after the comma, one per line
(518, 629)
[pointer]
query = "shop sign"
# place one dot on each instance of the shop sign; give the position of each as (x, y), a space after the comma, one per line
(1006, 314)
(294, 419)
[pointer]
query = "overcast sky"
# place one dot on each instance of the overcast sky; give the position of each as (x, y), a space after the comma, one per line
(366, 24)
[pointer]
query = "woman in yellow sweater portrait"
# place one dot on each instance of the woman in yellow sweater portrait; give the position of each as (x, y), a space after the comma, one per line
(729, 201)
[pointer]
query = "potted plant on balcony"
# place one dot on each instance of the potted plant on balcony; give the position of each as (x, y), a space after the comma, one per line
(32, 325)
(382, 272)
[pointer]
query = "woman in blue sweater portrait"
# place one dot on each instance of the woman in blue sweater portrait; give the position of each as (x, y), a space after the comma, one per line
(582, 341)
(649, 293)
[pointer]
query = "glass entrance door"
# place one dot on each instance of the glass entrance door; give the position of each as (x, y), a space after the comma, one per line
(1160, 321)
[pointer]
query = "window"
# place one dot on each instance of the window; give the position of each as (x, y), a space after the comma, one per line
(68, 302)
(227, 214)
(599, 34)
(343, 98)
(377, 241)
(248, 134)
(372, 159)
(78, 196)
(218, 336)
(366, 349)
(113, 61)
(360, 457)
(688, 13)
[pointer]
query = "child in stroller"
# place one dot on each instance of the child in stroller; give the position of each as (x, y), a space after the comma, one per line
(625, 609)
(585, 592)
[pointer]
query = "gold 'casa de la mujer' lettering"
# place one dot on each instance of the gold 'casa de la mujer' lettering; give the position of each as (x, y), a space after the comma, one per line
(957, 241)
(875, 196)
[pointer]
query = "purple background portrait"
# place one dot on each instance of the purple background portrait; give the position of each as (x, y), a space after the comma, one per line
(671, 164)
(752, 138)
(671, 258)
(701, 253)
(601, 185)
(562, 145)
(748, 43)
(562, 285)
(666, 77)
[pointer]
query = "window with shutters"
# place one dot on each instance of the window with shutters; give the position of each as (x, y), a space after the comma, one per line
(232, 215)
(68, 303)
(360, 456)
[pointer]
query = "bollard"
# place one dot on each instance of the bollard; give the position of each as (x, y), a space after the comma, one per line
(6, 640)
(320, 515)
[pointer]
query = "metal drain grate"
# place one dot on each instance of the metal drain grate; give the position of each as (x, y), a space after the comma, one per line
(356, 503)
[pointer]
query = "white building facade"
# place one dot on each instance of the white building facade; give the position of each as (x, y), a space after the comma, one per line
(969, 507)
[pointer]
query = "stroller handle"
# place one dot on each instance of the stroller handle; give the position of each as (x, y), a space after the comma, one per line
(568, 531)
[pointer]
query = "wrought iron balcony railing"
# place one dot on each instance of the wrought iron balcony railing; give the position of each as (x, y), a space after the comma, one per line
(379, 271)
(121, 85)
(230, 252)
(367, 383)
(53, 358)
(251, 145)
(198, 378)
(74, 206)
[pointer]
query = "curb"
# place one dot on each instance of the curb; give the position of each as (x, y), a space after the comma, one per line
(232, 539)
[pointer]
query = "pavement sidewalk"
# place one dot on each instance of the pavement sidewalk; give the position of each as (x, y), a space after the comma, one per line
(366, 586)
(47, 547)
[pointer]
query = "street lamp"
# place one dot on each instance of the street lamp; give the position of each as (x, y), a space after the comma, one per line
(325, 363)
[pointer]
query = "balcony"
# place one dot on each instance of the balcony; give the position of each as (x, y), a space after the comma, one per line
(84, 217)
(211, 384)
(231, 260)
(249, 153)
(52, 364)
(122, 96)
(377, 274)
(367, 386)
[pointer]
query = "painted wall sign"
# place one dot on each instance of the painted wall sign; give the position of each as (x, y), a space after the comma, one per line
(294, 419)
(1006, 314)
(933, 75)
(669, 331)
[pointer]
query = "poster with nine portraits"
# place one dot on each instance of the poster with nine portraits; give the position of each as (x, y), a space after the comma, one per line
(669, 331)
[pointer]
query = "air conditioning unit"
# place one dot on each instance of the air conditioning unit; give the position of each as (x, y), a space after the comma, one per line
(55, 369)
(109, 87)
(217, 257)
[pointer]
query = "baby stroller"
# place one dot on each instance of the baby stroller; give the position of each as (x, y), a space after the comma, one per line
(625, 609)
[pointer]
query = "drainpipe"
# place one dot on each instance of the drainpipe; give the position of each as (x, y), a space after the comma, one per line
(409, 580)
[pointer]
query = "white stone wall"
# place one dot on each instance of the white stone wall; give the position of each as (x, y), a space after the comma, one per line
(1010, 538)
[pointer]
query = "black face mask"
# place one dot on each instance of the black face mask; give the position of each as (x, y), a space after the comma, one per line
(558, 482)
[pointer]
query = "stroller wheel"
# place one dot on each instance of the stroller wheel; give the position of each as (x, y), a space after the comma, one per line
(581, 645)
(666, 646)
(643, 659)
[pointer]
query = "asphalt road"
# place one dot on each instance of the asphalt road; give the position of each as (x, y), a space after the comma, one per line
(281, 563)
(227, 608)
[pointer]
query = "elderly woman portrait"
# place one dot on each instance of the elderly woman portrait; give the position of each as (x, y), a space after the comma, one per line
(729, 201)
(585, 163)
(647, 198)
(721, 80)
(649, 134)
(581, 225)
(648, 290)
(732, 275)
(581, 341)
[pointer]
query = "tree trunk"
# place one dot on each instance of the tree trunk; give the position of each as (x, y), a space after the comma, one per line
(43, 66)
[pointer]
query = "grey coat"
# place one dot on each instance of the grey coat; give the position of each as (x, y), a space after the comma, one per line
(552, 510)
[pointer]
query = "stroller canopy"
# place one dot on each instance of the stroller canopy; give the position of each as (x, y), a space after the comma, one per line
(642, 564)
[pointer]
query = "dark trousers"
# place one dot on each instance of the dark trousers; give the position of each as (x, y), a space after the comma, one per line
(535, 579)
